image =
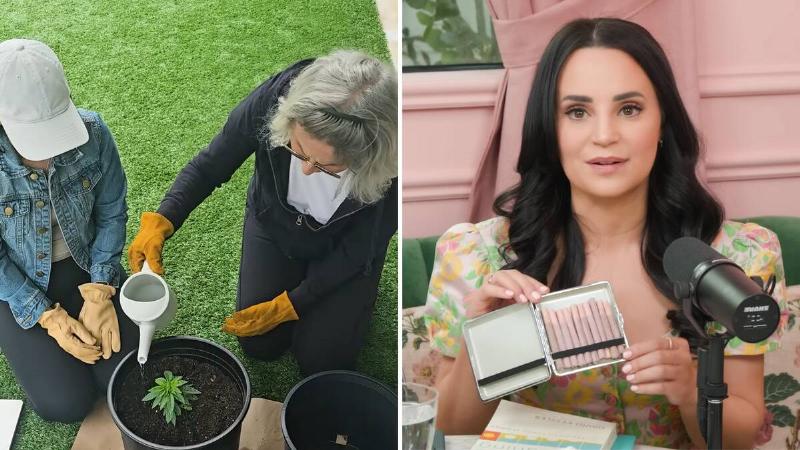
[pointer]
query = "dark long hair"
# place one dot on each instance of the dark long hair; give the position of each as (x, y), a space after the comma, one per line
(539, 208)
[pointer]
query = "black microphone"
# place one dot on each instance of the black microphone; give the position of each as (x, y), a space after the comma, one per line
(720, 289)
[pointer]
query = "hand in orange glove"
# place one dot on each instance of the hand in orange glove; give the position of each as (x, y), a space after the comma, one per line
(99, 317)
(260, 318)
(70, 334)
(149, 242)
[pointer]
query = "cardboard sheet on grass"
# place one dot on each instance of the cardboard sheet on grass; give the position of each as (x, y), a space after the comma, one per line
(261, 429)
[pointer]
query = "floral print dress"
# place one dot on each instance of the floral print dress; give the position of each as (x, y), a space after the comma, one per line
(467, 253)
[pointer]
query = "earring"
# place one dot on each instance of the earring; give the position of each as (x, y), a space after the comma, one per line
(660, 143)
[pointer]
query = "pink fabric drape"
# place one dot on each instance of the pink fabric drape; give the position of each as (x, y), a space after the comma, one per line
(523, 28)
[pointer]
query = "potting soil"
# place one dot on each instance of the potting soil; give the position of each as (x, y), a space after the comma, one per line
(215, 409)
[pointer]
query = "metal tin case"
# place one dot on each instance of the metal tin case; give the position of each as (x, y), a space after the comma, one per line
(509, 348)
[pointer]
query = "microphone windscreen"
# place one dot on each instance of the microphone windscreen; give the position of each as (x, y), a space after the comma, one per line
(682, 257)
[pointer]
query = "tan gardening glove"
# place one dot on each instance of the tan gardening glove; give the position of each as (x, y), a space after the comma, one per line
(260, 318)
(149, 242)
(99, 317)
(70, 334)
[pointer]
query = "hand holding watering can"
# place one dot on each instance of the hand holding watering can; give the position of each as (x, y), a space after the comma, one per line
(149, 242)
(145, 297)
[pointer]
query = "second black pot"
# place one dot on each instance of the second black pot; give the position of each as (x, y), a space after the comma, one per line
(354, 410)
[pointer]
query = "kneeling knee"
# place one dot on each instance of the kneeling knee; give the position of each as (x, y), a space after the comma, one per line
(64, 410)
(255, 347)
(315, 362)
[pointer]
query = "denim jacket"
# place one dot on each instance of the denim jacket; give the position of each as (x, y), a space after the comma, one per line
(87, 188)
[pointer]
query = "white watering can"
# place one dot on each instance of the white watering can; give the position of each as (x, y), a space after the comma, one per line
(149, 301)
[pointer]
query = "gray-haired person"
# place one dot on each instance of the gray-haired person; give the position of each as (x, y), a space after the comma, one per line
(321, 207)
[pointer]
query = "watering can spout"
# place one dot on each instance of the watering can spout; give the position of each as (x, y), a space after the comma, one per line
(146, 267)
(146, 331)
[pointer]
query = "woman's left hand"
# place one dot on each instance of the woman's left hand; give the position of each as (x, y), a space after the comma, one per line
(662, 366)
(261, 317)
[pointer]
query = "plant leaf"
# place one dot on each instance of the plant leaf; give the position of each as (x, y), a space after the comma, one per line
(179, 397)
(189, 389)
(424, 19)
(779, 387)
(167, 374)
(161, 381)
(781, 415)
(151, 395)
(163, 402)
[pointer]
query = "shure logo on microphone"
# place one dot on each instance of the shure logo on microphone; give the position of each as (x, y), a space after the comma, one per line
(749, 309)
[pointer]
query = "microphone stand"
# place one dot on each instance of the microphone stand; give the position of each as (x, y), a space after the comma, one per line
(711, 386)
(712, 389)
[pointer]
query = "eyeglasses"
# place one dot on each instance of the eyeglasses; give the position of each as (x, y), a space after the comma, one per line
(306, 159)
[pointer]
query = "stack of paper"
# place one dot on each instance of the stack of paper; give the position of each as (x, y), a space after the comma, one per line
(520, 427)
(9, 415)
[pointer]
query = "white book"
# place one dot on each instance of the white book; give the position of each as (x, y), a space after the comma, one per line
(9, 416)
(515, 426)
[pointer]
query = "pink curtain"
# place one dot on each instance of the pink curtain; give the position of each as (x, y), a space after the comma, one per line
(523, 28)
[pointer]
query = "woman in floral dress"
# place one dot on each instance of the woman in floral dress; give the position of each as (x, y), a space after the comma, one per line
(607, 167)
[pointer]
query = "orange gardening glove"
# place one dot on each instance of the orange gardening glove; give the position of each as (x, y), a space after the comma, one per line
(99, 317)
(149, 243)
(260, 318)
(70, 334)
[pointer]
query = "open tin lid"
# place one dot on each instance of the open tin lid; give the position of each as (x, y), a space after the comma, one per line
(505, 350)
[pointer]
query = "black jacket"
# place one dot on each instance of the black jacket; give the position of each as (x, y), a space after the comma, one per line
(352, 243)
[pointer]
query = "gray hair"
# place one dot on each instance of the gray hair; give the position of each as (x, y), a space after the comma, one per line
(348, 100)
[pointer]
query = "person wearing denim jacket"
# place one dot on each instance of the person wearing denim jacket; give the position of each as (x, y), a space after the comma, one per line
(62, 231)
(87, 188)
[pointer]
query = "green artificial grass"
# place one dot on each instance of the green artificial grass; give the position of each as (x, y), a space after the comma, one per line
(164, 75)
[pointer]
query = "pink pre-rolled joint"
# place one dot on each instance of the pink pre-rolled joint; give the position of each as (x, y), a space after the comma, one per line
(605, 326)
(614, 324)
(562, 339)
(572, 332)
(582, 336)
(593, 330)
(551, 336)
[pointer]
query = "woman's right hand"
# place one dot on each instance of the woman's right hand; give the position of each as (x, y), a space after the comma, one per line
(503, 288)
(149, 242)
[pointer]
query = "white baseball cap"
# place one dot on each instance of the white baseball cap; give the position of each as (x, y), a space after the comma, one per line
(35, 109)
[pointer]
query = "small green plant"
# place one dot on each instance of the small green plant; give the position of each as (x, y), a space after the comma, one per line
(172, 395)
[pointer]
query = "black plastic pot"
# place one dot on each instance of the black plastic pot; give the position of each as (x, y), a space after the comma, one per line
(191, 347)
(356, 410)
